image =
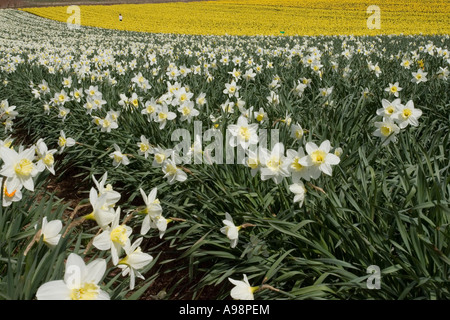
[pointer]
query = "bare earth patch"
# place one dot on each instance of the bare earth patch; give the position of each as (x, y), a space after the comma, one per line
(46, 3)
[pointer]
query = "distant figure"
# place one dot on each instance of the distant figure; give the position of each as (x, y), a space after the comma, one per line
(120, 17)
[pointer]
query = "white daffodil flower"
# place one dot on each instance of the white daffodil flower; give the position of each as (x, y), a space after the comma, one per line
(11, 192)
(319, 159)
(394, 89)
(242, 290)
(338, 151)
(260, 115)
(386, 130)
(61, 98)
(8, 110)
(160, 156)
(163, 115)
(152, 210)
(45, 157)
(112, 197)
(76, 95)
(108, 123)
(92, 91)
(7, 142)
(144, 147)
(50, 232)
(443, 73)
(172, 172)
(252, 161)
(80, 282)
(300, 88)
(160, 223)
(118, 157)
(299, 190)
(134, 260)
(231, 89)
(296, 131)
(243, 133)
(114, 238)
(407, 114)
(298, 171)
(19, 167)
(230, 230)
(419, 76)
(64, 142)
(102, 213)
(201, 99)
(389, 108)
(181, 97)
(67, 82)
(187, 111)
(275, 164)
(62, 113)
(150, 109)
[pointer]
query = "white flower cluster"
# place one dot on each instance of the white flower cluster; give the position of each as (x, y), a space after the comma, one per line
(395, 116)
(81, 281)
(278, 163)
(21, 167)
(7, 115)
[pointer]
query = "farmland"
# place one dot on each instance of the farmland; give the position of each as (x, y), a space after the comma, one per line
(287, 166)
(266, 17)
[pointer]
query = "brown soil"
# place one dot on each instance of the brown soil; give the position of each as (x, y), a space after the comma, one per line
(72, 189)
(38, 3)
(166, 280)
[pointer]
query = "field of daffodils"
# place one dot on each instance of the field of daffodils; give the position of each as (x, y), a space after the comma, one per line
(257, 167)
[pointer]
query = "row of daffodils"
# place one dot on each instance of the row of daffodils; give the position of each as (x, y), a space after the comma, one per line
(130, 100)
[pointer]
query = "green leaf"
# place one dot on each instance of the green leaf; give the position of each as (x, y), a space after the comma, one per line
(274, 266)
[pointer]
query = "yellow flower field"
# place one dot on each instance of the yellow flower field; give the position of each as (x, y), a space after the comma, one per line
(265, 17)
